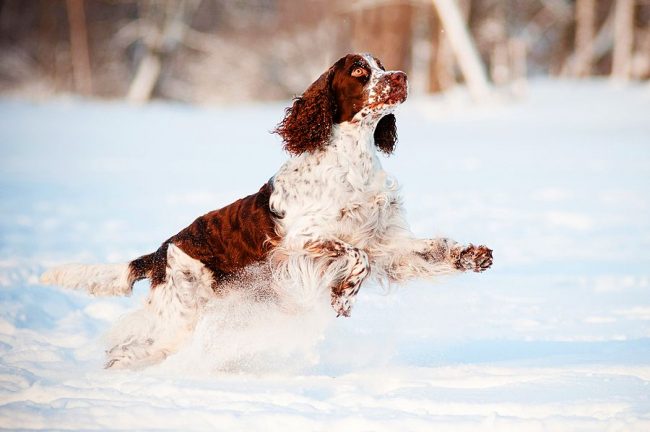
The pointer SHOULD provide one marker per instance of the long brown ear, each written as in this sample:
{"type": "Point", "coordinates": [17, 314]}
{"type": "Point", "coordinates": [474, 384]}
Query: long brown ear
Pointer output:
{"type": "Point", "coordinates": [307, 124]}
{"type": "Point", "coordinates": [386, 134]}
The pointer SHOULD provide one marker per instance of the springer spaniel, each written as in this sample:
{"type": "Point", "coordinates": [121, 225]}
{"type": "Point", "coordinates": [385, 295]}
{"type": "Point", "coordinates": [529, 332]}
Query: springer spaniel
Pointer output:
{"type": "Point", "coordinates": [329, 219]}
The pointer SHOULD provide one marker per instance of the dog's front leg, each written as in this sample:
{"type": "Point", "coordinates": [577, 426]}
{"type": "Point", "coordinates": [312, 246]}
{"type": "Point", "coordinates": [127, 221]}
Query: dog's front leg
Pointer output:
{"type": "Point", "coordinates": [416, 258]}
{"type": "Point", "coordinates": [461, 258]}
{"type": "Point", "coordinates": [350, 266]}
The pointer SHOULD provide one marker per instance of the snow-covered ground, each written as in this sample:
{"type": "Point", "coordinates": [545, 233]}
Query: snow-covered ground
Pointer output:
{"type": "Point", "coordinates": [555, 337]}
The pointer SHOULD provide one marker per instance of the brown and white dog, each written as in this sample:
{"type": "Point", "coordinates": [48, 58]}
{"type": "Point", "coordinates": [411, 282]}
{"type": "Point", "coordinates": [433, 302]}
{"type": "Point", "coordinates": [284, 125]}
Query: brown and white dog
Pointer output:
{"type": "Point", "coordinates": [328, 220]}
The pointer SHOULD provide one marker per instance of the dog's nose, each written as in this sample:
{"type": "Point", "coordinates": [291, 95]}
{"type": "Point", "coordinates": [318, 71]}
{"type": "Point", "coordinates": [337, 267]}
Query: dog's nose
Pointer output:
{"type": "Point", "coordinates": [399, 77]}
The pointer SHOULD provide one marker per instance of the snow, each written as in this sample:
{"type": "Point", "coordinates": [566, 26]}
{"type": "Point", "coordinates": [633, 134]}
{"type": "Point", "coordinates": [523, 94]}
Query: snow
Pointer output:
{"type": "Point", "coordinates": [555, 337]}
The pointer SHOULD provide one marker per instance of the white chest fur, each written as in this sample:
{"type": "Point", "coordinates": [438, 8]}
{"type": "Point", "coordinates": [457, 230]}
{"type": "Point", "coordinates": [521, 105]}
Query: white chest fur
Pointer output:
{"type": "Point", "coordinates": [340, 192]}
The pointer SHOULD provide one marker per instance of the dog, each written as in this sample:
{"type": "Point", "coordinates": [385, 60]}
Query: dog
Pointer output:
{"type": "Point", "coordinates": [330, 219]}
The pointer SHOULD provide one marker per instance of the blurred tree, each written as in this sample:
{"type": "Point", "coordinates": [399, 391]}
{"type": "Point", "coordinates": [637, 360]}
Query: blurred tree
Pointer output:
{"type": "Point", "coordinates": [585, 12]}
{"type": "Point", "coordinates": [623, 39]}
{"type": "Point", "coordinates": [81, 71]}
{"type": "Point", "coordinates": [463, 47]}
{"type": "Point", "coordinates": [441, 60]}
{"type": "Point", "coordinates": [385, 29]}
{"type": "Point", "coordinates": [162, 27]}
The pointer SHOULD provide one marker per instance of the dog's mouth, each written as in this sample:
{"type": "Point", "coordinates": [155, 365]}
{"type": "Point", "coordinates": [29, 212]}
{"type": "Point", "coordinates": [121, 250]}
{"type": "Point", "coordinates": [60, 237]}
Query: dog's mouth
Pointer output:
{"type": "Point", "coordinates": [398, 95]}
{"type": "Point", "coordinates": [390, 103]}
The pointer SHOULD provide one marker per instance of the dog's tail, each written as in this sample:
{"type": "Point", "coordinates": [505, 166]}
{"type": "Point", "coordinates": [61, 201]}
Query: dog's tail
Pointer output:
{"type": "Point", "coordinates": [101, 279]}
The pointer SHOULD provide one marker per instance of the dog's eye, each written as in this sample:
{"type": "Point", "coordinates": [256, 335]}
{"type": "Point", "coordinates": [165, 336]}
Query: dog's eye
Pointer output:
{"type": "Point", "coordinates": [359, 72]}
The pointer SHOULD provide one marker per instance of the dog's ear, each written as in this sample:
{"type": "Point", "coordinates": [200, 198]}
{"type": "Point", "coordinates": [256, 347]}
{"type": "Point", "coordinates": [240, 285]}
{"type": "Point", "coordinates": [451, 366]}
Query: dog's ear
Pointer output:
{"type": "Point", "coordinates": [307, 124]}
{"type": "Point", "coordinates": [386, 134]}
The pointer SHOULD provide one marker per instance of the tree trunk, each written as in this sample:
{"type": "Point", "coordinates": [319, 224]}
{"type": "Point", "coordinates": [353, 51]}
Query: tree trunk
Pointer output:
{"type": "Point", "coordinates": [463, 48]}
{"type": "Point", "coordinates": [441, 61]}
{"type": "Point", "coordinates": [623, 39]}
{"type": "Point", "coordinates": [79, 47]}
{"type": "Point", "coordinates": [385, 30]}
{"type": "Point", "coordinates": [145, 79]}
{"type": "Point", "coordinates": [518, 52]}
{"type": "Point", "coordinates": [584, 40]}
{"type": "Point", "coordinates": [500, 63]}
{"type": "Point", "coordinates": [167, 32]}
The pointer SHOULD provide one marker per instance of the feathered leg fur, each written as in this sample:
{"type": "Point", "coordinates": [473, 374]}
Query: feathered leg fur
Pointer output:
{"type": "Point", "coordinates": [170, 314]}
{"type": "Point", "coordinates": [97, 279]}
{"type": "Point", "coordinates": [354, 267]}
{"type": "Point", "coordinates": [415, 258]}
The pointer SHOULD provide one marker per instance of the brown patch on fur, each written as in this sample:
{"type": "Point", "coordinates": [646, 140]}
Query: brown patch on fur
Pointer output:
{"type": "Point", "coordinates": [325, 248]}
{"type": "Point", "coordinates": [224, 240]}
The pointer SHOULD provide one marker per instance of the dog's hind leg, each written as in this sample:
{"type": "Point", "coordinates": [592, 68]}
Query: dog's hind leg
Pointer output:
{"type": "Point", "coordinates": [169, 317]}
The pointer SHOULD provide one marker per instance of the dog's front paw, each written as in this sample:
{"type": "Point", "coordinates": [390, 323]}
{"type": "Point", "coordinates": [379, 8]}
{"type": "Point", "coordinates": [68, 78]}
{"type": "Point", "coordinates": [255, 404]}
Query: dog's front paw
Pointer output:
{"type": "Point", "coordinates": [343, 301]}
{"type": "Point", "coordinates": [475, 258]}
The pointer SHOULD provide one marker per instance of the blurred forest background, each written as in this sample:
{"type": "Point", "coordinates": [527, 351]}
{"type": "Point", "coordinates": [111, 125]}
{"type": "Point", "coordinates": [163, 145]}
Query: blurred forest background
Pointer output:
{"type": "Point", "coordinates": [222, 51]}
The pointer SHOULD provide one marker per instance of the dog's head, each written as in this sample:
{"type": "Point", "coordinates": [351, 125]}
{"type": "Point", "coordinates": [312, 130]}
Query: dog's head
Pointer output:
{"type": "Point", "coordinates": [355, 89]}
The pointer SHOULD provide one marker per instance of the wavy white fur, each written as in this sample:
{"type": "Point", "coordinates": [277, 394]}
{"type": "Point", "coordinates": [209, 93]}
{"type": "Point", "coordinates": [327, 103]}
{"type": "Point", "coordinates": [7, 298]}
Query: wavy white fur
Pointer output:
{"type": "Point", "coordinates": [170, 314]}
{"type": "Point", "coordinates": [343, 194]}
{"type": "Point", "coordinates": [97, 279]}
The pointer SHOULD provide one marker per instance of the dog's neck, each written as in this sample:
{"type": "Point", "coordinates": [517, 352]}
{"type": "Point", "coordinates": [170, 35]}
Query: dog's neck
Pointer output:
{"type": "Point", "coordinates": [354, 147]}
{"type": "Point", "coordinates": [354, 138]}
